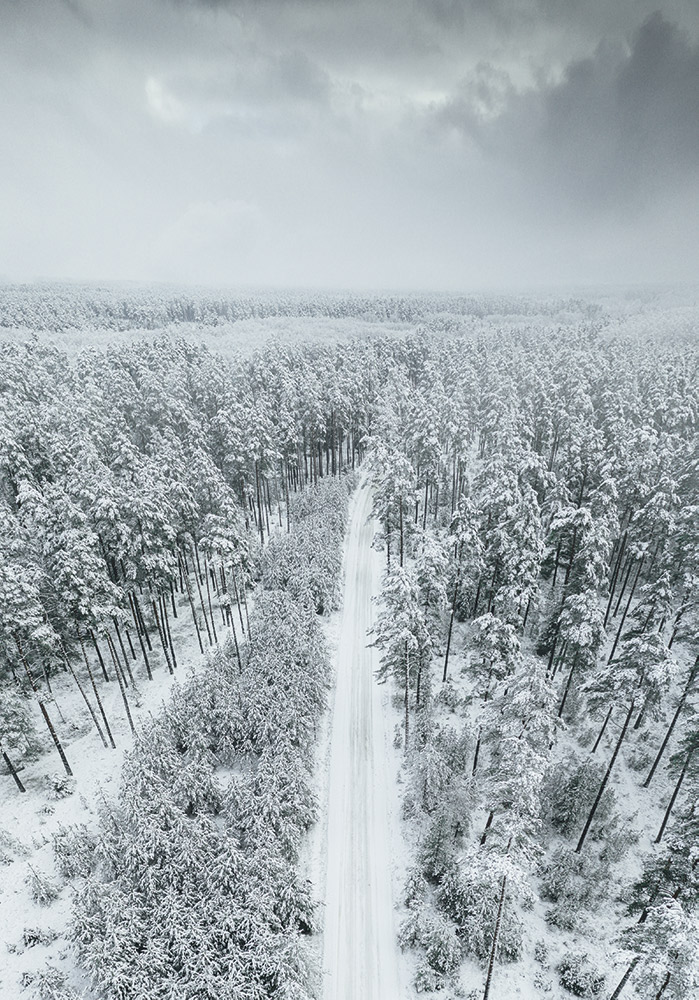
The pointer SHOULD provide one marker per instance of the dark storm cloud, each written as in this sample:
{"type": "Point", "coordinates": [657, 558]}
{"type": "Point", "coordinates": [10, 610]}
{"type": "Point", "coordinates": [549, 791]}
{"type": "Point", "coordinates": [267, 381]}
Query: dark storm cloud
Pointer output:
{"type": "Point", "coordinates": [619, 129]}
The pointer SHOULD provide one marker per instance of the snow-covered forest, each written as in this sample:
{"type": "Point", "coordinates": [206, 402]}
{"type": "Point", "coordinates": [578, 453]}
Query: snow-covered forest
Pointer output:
{"type": "Point", "coordinates": [171, 583]}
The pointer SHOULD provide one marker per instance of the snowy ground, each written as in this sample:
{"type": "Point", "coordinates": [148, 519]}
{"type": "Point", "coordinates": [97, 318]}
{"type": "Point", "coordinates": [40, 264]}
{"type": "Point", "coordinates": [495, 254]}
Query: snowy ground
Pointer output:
{"type": "Point", "coordinates": [361, 959]}
{"type": "Point", "coordinates": [32, 819]}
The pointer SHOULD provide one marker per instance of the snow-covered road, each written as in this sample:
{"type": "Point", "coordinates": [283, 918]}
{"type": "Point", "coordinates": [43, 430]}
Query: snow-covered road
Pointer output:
{"type": "Point", "coordinates": [360, 955]}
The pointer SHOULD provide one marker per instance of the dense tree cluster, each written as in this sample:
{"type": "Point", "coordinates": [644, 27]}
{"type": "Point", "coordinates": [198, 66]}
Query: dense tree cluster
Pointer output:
{"type": "Point", "coordinates": [57, 307]}
{"type": "Point", "coordinates": [537, 502]}
{"type": "Point", "coordinates": [552, 487]}
{"type": "Point", "coordinates": [135, 478]}
{"type": "Point", "coordinates": [191, 887]}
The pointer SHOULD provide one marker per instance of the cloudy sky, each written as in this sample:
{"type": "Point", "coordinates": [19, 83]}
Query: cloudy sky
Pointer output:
{"type": "Point", "coordinates": [408, 144]}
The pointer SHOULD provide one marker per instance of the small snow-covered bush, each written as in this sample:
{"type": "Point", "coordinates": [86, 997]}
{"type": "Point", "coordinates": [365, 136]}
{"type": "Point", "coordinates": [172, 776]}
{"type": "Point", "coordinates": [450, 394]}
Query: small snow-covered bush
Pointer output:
{"type": "Point", "coordinates": [436, 935]}
{"type": "Point", "coordinates": [437, 850]}
{"type": "Point", "coordinates": [74, 850]}
{"type": "Point", "coordinates": [427, 980]}
{"type": "Point", "coordinates": [469, 895]}
{"type": "Point", "coordinates": [569, 789]}
{"type": "Point", "coordinates": [448, 696]}
{"type": "Point", "coordinates": [415, 888]}
{"type": "Point", "coordinates": [574, 883]}
{"type": "Point", "coordinates": [20, 740]}
{"type": "Point", "coordinates": [43, 889]}
{"type": "Point", "coordinates": [578, 975]}
{"type": "Point", "coordinates": [60, 785]}
{"type": "Point", "coordinates": [10, 847]}
{"type": "Point", "coordinates": [50, 984]}
{"type": "Point", "coordinates": [32, 936]}
{"type": "Point", "coordinates": [541, 954]}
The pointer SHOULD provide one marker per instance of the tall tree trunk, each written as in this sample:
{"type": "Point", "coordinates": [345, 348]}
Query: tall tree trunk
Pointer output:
{"type": "Point", "coordinates": [625, 978]}
{"type": "Point", "coordinates": [99, 655]}
{"type": "Point", "coordinates": [203, 609]}
{"type": "Point", "coordinates": [166, 630]}
{"type": "Point", "coordinates": [194, 613]}
{"type": "Point", "coordinates": [259, 504]}
{"type": "Point", "coordinates": [208, 598]}
{"type": "Point", "coordinates": [451, 623]}
{"type": "Point", "coordinates": [120, 681]}
{"type": "Point", "coordinates": [675, 793]}
{"type": "Point", "coordinates": [163, 638]}
{"type": "Point", "coordinates": [602, 787]}
{"type": "Point", "coordinates": [626, 610]}
{"type": "Point", "coordinates": [556, 565]}
{"type": "Point", "coordinates": [42, 706]}
{"type": "Point", "coordinates": [625, 579]}
{"type": "Point", "coordinates": [237, 597]}
{"type": "Point", "coordinates": [488, 824]}
{"type": "Point", "coordinates": [615, 577]}
{"type": "Point", "coordinates": [662, 989]}
{"type": "Point", "coordinates": [96, 692]}
{"type": "Point", "coordinates": [477, 751]}
{"type": "Point", "coordinates": [144, 629]}
{"type": "Point", "coordinates": [82, 692]}
{"type": "Point", "coordinates": [121, 641]}
{"type": "Point", "coordinates": [128, 639]}
{"type": "Point", "coordinates": [407, 696]}
{"type": "Point", "coordinates": [12, 769]}
{"type": "Point", "coordinates": [496, 935]}
{"type": "Point", "coordinates": [604, 726]}
{"type": "Point", "coordinates": [128, 665]}
{"type": "Point", "coordinates": [567, 687]}
{"type": "Point", "coordinates": [668, 734]}
{"type": "Point", "coordinates": [143, 650]}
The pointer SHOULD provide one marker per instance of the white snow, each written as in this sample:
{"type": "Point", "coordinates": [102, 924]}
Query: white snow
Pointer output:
{"type": "Point", "coordinates": [361, 958]}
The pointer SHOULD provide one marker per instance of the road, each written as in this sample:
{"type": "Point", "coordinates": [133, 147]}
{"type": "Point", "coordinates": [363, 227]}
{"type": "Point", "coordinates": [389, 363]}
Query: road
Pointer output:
{"type": "Point", "coordinates": [360, 955]}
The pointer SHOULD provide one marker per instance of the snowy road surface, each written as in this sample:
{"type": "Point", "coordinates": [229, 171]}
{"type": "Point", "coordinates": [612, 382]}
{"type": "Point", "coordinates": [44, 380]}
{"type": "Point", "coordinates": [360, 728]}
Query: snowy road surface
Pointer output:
{"type": "Point", "coordinates": [360, 954]}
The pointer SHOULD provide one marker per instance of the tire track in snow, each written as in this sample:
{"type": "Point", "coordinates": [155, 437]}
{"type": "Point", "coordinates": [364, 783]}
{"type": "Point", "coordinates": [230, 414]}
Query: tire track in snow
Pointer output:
{"type": "Point", "coordinates": [360, 954]}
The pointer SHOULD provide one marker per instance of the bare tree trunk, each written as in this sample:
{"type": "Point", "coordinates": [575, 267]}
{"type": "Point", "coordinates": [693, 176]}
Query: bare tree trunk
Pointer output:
{"type": "Point", "coordinates": [237, 598]}
{"type": "Point", "coordinates": [604, 726]}
{"type": "Point", "coordinates": [626, 610]}
{"type": "Point", "coordinates": [567, 687]}
{"type": "Point", "coordinates": [166, 630]}
{"type": "Point", "coordinates": [12, 769]}
{"type": "Point", "coordinates": [99, 655]}
{"type": "Point", "coordinates": [96, 692]}
{"type": "Point", "coordinates": [496, 935]}
{"type": "Point", "coordinates": [625, 978]}
{"type": "Point", "coordinates": [668, 734]}
{"type": "Point", "coordinates": [82, 692]}
{"type": "Point", "coordinates": [163, 639]}
{"type": "Point", "coordinates": [407, 696]}
{"type": "Point", "coordinates": [120, 681]}
{"type": "Point", "coordinates": [42, 706]}
{"type": "Point", "coordinates": [208, 598]}
{"type": "Point", "coordinates": [455, 598]}
{"type": "Point", "coordinates": [602, 787]}
{"type": "Point", "coordinates": [194, 613]}
{"type": "Point", "coordinates": [488, 824]}
{"type": "Point", "coordinates": [259, 504]}
{"type": "Point", "coordinates": [142, 620]}
{"type": "Point", "coordinates": [662, 989]}
{"type": "Point", "coordinates": [675, 793]}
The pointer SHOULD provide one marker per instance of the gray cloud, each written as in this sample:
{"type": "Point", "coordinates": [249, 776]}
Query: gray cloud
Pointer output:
{"type": "Point", "coordinates": [431, 143]}
{"type": "Point", "coordinates": [618, 130]}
